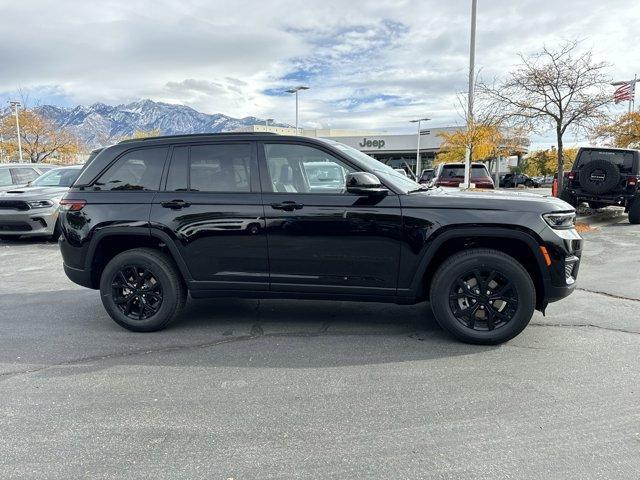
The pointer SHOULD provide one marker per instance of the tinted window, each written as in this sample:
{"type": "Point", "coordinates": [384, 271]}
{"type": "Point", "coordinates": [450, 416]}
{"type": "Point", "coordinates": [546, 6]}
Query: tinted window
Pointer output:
{"type": "Point", "coordinates": [220, 168]}
{"type": "Point", "coordinates": [5, 177]}
{"type": "Point", "coordinates": [136, 170]}
{"type": "Point", "coordinates": [24, 175]}
{"type": "Point", "coordinates": [177, 178]}
{"type": "Point", "coordinates": [454, 171]}
{"type": "Point", "coordinates": [58, 177]}
{"type": "Point", "coordinates": [624, 160]}
{"type": "Point", "coordinates": [302, 169]}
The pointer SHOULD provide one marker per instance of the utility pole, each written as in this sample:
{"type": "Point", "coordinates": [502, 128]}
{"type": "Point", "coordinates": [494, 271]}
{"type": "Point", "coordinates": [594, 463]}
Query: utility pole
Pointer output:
{"type": "Point", "coordinates": [15, 106]}
{"type": "Point", "coordinates": [418, 169]}
{"type": "Point", "coordinates": [472, 59]}
{"type": "Point", "coordinates": [296, 90]}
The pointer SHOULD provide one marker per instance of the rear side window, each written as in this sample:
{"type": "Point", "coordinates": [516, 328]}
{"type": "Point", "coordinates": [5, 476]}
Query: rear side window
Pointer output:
{"type": "Point", "coordinates": [624, 160]}
{"type": "Point", "coordinates": [136, 170]}
{"type": "Point", "coordinates": [5, 177]}
{"type": "Point", "coordinates": [220, 168]}
{"type": "Point", "coordinates": [24, 175]}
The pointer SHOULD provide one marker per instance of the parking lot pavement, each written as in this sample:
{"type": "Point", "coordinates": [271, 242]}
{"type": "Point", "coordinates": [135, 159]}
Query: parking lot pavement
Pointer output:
{"type": "Point", "coordinates": [283, 389]}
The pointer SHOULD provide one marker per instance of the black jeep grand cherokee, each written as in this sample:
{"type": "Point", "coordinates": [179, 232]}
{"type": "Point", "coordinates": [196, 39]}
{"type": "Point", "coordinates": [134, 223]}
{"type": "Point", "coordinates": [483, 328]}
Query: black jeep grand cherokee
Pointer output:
{"type": "Point", "coordinates": [246, 215]}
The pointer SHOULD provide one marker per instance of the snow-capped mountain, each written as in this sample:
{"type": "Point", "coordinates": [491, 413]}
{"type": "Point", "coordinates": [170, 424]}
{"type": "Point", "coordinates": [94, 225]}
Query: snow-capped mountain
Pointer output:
{"type": "Point", "coordinates": [101, 124]}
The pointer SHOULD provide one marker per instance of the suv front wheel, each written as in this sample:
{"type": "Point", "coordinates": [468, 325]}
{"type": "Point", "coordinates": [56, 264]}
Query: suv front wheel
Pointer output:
{"type": "Point", "coordinates": [482, 296]}
{"type": "Point", "coordinates": [141, 289]}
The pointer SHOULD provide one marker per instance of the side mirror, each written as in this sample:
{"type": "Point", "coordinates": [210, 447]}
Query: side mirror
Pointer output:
{"type": "Point", "coordinates": [365, 183]}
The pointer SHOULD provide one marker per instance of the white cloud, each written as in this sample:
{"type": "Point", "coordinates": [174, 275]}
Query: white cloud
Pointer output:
{"type": "Point", "coordinates": [370, 64]}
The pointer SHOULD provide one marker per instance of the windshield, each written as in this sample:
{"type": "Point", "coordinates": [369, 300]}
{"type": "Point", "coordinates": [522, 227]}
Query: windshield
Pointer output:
{"type": "Point", "coordinates": [384, 172]}
{"type": "Point", "coordinates": [58, 177]}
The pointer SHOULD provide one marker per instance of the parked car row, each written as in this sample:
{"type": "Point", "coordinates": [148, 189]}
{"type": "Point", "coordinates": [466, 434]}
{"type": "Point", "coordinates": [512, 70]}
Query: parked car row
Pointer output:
{"type": "Point", "coordinates": [32, 209]}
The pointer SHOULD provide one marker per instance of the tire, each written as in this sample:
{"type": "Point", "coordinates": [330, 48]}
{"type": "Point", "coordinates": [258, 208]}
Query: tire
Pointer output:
{"type": "Point", "coordinates": [445, 287]}
{"type": "Point", "coordinates": [508, 185]}
{"type": "Point", "coordinates": [57, 230]}
{"type": "Point", "coordinates": [599, 176]}
{"type": "Point", "coordinates": [567, 197]}
{"type": "Point", "coordinates": [165, 282]}
{"type": "Point", "coordinates": [634, 211]}
{"type": "Point", "coordinates": [528, 184]}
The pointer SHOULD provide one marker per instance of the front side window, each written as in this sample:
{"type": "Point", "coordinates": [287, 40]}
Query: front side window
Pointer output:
{"type": "Point", "coordinates": [136, 170]}
{"type": "Point", "coordinates": [220, 168]}
{"type": "Point", "coordinates": [24, 175]}
{"type": "Point", "coordinates": [303, 169]}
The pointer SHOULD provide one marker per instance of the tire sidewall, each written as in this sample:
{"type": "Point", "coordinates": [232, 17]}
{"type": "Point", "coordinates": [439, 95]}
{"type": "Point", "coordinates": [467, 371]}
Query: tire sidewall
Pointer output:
{"type": "Point", "coordinates": [169, 297]}
{"type": "Point", "coordinates": [524, 287]}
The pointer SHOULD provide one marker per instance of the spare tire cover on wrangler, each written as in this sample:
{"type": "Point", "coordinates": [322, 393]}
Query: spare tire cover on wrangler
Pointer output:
{"type": "Point", "coordinates": [599, 176]}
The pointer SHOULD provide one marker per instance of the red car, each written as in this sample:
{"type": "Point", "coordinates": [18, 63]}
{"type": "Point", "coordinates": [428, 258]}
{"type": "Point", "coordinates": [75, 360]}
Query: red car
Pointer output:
{"type": "Point", "coordinates": [452, 175]}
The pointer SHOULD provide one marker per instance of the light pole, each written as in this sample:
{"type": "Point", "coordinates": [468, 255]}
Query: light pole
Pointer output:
{"type": "Point", "coordinates": [418, 170]}
{"type": "Point", "coordinates": [472, 59]}
{"type": "Point", "coordinates": [15, 106]}
{"type": "Point", "coordinates": [296, 90]}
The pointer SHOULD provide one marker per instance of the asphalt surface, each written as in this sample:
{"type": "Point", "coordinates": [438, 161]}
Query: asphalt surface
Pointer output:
{"type": "Point", "coordinates": [249, 389]}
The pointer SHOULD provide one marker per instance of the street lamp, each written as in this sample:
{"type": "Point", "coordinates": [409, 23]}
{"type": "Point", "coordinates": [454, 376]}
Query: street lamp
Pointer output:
{"type": "Point", "coordinates": [15, 106]}
{"type": "Point", "coordinates": [418, 121]}
{"type": "Point", "coordinates": [472, 60]}
{"type": "Point", "coordinates": [296, 90]}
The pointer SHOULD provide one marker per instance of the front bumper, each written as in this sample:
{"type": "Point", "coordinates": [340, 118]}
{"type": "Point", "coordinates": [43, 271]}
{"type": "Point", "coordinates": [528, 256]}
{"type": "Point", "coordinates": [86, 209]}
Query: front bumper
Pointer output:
{"type": "Point", "coordinates": [37, 222]}
{"type": "Point", "coordinates": [565, 251]}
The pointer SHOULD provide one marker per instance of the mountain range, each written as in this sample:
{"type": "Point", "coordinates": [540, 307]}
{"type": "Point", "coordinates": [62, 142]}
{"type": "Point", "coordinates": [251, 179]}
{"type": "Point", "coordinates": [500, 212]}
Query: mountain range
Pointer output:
{"type": "Point", "coordinates": [100, 124]}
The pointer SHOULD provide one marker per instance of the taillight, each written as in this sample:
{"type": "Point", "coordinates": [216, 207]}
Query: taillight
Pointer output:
{"type": "Point", "coordinates": [572, 175]}
{"type": "Point", "coordinates": [632, 181]}
{"type": "Point", "coordinates": [69, 205]}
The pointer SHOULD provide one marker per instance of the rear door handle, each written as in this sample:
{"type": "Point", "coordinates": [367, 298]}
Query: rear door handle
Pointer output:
{"type": "Point", "coordinates": [175, 204]}
{"type": "Point", "coordinates": [287, 206]}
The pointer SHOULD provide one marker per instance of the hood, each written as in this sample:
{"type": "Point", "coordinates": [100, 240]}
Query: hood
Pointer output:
{"type": "Point", "coordinates": [33, 193]}
{"type": "Point", "coordinates": [486, 200]}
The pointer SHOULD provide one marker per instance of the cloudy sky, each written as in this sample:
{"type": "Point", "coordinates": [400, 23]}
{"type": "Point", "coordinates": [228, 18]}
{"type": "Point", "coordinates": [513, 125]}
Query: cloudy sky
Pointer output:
{"type": "Point", "coordinates": [370, 64]}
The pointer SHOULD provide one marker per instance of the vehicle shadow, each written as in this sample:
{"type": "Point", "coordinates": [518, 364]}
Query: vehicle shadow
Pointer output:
{"type": "Point", "coordinates": [73, 333]}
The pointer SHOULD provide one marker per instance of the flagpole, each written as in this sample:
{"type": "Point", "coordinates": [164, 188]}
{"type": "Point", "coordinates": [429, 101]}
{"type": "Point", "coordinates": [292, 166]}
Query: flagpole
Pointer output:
{"type": "Point", "coordinates": [632, 101]}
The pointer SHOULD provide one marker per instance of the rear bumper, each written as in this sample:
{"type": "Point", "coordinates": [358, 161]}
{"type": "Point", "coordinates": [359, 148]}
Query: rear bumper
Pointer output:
{"type": "Point", "coordinates": [80, 276]}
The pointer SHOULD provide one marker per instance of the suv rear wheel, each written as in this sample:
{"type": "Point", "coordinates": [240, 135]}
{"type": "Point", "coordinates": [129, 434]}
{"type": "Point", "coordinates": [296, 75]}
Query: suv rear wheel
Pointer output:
{"type": "Point", "coordinates": [141, 289]}
{"type": "Point", "coordinates": [482, 296]}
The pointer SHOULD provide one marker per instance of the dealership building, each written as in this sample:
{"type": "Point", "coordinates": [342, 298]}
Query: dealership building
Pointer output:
{"type": "Point", "coordinates": [395, 150]}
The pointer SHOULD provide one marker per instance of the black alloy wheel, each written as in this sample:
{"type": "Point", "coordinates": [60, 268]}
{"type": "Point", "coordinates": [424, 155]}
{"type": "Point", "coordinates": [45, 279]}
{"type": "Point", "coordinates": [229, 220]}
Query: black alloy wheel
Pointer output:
{"type": "Point", "coordinates": [483, 299]}
{"type": "Point", "coordinates": [142, 289]}
{"type": "Point", "coordinates": [136, 292]}
{"type": "Point", "coordinates": [482, 296]}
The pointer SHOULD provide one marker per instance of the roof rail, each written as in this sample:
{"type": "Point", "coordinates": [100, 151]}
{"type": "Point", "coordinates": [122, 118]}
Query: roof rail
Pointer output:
{"type": "Point", "coordinates": [192, 135]}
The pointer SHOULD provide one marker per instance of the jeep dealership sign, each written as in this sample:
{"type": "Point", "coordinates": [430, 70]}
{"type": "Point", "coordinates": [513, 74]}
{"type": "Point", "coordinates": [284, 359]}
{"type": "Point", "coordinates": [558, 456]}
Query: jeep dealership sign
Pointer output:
{"type": "Point", "coordinates": [367, 143]}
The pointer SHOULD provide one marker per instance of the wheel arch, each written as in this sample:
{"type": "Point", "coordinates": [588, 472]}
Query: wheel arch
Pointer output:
{"type": "Point", "coordinates": [111, 241]}
{"type": "Point", "coordinates": [521, 244]}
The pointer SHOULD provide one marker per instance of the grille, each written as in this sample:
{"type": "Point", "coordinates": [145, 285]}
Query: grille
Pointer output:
{"type": "Point", "coordinates": [13, 205]}
{"type": "Point", "coordinates": [15, 227]}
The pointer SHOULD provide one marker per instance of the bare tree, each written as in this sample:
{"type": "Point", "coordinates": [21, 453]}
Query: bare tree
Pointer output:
{"type": "Point", "coordinates": [564, 89]}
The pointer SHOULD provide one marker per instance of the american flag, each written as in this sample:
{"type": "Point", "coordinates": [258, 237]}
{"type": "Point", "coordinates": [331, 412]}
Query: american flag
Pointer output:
{"type": "Point", "coordinates": [624, 92]}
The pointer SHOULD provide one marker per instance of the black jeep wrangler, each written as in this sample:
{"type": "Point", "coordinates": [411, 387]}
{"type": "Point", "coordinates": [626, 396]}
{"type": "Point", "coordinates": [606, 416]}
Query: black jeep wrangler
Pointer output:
{"type": "Point", "coordinates": [603, 177]}
{"type": "Point", "coordinates": [267, 216]}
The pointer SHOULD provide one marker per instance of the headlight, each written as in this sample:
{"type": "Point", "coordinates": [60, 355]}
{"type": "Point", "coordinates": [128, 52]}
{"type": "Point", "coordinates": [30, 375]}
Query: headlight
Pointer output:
{"type": "Point", "coordinates": [561, 221]}
{"type": "Point", "coordinates": [40, 203]}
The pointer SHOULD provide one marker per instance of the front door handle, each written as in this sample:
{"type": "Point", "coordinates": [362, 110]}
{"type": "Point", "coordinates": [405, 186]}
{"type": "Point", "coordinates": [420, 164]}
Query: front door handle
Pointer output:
{"type": "Point", "coordinates": [175, 204]}
{"type": "Point", "coordinates": [287, 206]}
